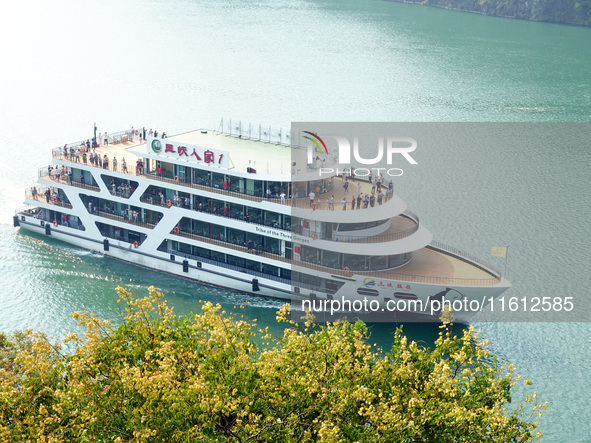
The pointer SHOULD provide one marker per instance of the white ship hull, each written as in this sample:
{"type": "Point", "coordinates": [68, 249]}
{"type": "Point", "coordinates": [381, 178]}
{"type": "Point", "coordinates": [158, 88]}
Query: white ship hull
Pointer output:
{"type": "Point", "coordinates": [397, 300]}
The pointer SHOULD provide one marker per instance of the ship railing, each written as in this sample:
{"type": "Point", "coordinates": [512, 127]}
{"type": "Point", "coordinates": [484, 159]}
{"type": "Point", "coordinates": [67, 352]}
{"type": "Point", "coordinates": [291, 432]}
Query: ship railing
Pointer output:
{"type": "Point", "coordinates": [35, 211]}
{"type": "Point", "coordinates": [114, 137]}
{"type": "Point", "coordinates": [393, 275]}
{"type": "Point", "coordinates": [296, 202]}
{"type": "Point", "coordinates": [156, 201]}
{"type": "Point", "coordinates": [339, 237]}
{"type": "Point", "coordinates": [29, 210]}
{"type": "Point", "coordinates": [467, 256]}
{"type": "Point", "coordinates": [230, 266]}
{"type": "Point", "coordinates": [132, 218]}
{"type": "Point", "coordinates": [39, 193]}
{"type": "Point", "coordinates": [383, 274]}
{"type": "Point", "coordinates": [222, 240]}
{"type": "Point", "coordinates": [65, 179]}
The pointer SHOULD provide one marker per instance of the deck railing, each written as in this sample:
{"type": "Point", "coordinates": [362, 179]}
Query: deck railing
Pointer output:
{"type": "Point", "coordinates": [384, 274]}
{"type": "Point", "coordinates": [300, 202]}
{"type": "Point", "coordinates": [467, 256]}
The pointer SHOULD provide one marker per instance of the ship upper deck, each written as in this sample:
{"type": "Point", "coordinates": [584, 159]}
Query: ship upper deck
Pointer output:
{"type": "Point", "coordinates": [337, 198]}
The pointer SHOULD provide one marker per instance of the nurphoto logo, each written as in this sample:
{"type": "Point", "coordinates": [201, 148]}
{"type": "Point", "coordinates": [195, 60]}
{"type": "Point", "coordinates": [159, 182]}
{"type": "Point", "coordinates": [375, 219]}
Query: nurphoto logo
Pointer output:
{"type": "Point", "coordinates": [387, 147]}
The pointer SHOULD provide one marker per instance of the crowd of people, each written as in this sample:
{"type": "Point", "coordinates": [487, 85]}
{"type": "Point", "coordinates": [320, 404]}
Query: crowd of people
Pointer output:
{"type": "Point", "coordinates": [380, 193]}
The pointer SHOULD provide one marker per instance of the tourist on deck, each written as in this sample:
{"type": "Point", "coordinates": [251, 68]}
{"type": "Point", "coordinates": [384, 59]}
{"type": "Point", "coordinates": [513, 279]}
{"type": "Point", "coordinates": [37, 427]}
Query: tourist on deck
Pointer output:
{"type": "Point", "coordinates": [105, 139]}
{"type": "Point", "coordinates": [353, 203]}
{"type": "Point", "coordinates": [124, 165]}
{"type": "Point", "coordinates": [372, 200]}
{"type": "Point", "coordinates": [344, 202]}
{"type": "Point", "coordinates": [312, 197]}
{"type": "Point", "coordinates": [114, 163]}
{"type": "Point", "coordinates": [105, 162]}
{"type": "Point", "coordinates": [282, 196]}
{"type": "Point", "coordinates": [84, 157]}
{"type": "Point", "coordinates": [380, 197]}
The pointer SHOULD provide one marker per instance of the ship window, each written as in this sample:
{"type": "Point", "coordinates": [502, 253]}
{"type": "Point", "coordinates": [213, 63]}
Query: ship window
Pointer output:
{"type": "Point", "coordinates": [254, 215]}
{"type": "Point", "coordinates": [299, 189]}
{"type": "Point", "coordinates": [331, 259]}
{"type": "Point", "coordinates": [367, 291]}
{"type": "Point", "coordinates": [218, 232]}
{"type": "Point", "coordinates": [236, 211]}
{"type": "Point", "coordinates": [348, 227]}
{"type": "Point", "coordinates": [201, 177]}
{"type": "Point", "coordinates": [201, 252]}
{"type": "Point", "coordinates": [272, 219]}
{"type": "Point", "coordinates": [236, 236]}
{"type": "Point", "coordinates": [310, 255]}
{"type": "Point", "coordinates": [218, 256]}
{"type": "Point", "coordinates": [236, 184]}
{"type": "Point", "coordinates": [252, 265]}
{"type": "Point", "coordinates": [236, 261]}
{"type": "Point", "coordinates": [185, 248]}
{"type": "Point", "coordinates": [354, 262]}
{"type": "Point", "coordinates": [378, 262]}
{"type": "Point", "coordinates": [200, 228]}
{"type": "Point", "coordinates": [217, 180]}
{"type": "Point", "coordinates": [257, 240]}
{"type": "Point", "coordinates": [272, 245]}
{"type": "Point", "coordinates": [286, 273]}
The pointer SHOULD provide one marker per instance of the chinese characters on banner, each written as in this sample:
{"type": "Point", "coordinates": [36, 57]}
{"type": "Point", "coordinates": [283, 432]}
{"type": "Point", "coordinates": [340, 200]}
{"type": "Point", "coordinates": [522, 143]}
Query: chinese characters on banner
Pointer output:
{"type": "Point", "coordinates": [198, 154]}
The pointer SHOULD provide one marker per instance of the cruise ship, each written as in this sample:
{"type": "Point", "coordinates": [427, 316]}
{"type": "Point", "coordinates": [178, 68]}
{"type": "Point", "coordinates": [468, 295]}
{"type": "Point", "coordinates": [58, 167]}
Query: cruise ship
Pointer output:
{"type": "Point", "coordinates": [227, 210]}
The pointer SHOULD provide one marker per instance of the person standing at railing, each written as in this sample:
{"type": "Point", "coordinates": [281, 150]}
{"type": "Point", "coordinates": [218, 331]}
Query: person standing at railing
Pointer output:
{"type": "Point", "coordinates": [124, 165]}
{"type": "Point", "coordinates": [114, 163]}
{"type": "Point", "coordinates": [312, 197]}
{"type": "Point", "coordinates": [105, 139]}
{"type": "Point", "coordinates": [105, 162]}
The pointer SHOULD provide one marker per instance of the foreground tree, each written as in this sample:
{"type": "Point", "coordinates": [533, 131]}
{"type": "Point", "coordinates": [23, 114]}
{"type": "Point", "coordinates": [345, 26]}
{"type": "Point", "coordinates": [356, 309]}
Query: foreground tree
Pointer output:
{"type": "Point", "coordinates": [159, 377]}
